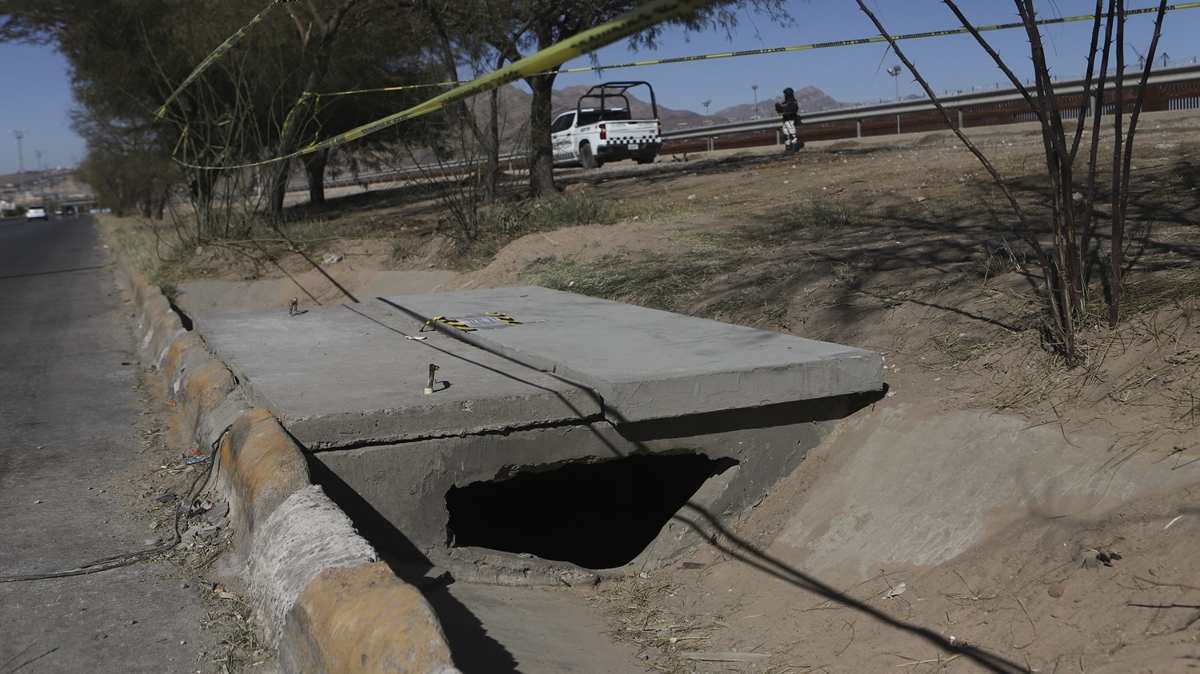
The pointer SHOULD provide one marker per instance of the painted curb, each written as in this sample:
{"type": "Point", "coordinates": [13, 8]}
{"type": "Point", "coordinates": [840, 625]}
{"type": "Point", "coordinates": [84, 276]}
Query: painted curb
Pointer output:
{"type": "Point", "coordinates": [321, 597]}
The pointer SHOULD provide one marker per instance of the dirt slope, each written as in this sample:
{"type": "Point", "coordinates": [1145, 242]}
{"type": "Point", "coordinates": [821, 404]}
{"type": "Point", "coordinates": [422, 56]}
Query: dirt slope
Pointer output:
{"type": "Point", "coordinates": [1045, 514]}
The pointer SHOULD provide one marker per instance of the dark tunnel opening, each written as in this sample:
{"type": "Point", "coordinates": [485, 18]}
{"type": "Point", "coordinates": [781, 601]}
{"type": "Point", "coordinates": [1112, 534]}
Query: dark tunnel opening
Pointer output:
{"type": "Point", "coordinates": [597, 516]}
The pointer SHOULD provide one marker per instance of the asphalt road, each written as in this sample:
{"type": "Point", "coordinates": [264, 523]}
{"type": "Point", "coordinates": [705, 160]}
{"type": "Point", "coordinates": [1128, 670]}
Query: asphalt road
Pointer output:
{"type": "Point", "coordinates": [70, 451]}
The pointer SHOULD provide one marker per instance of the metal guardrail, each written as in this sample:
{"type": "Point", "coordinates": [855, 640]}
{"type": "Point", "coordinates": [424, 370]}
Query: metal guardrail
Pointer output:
{"type": "Point", "coordinates": [959, 103]}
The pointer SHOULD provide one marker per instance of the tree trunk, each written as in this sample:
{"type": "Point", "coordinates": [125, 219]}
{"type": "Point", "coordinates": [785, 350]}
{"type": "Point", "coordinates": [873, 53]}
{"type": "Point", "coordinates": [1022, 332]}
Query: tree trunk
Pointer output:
{"type": "Point", "coordinates": [314, 168]}
{"type": "Point", "coordinates": [298, 117]}
{"type": "Point", "coordinates": [491, 159]}
{"type": "Point", "coordinates": [201, 189]}
{"type": "Point", "coordinates": [277, 180]}
{"type": "Point", "coordinates": [541, 151]}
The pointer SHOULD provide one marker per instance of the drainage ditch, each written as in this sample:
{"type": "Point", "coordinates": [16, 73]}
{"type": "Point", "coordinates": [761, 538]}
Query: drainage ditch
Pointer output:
{"type": "Point", "coordinates": [594, 515]}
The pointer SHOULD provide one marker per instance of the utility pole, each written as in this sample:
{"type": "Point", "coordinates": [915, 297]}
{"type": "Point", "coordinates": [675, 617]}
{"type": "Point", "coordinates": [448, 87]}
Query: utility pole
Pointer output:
{"type": "Point", "coordinates": [20, 162]}
{"type": "Point", "coordinates": [895, 71]}
{"type": "Point", "coordinates": [755, 88]}
{"type": "Point", "coordinates": [41, 179]}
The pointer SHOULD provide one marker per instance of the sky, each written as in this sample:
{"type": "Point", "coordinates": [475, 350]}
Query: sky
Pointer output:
{"type": "Point", "coordinates": [36, 94]}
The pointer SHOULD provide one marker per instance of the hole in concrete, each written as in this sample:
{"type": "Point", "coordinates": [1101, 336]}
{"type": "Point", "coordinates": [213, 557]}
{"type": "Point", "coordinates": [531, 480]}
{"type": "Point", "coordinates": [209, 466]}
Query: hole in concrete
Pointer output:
{"type": "Point", "coordinates": [597, 516]}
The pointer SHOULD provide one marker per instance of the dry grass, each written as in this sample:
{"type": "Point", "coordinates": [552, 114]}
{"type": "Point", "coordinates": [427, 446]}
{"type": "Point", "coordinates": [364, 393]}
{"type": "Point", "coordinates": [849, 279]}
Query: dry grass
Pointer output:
{"type": "Point", "coordinates": [635, 609]}
{"type": "Point", "coordinates": [663, 282]}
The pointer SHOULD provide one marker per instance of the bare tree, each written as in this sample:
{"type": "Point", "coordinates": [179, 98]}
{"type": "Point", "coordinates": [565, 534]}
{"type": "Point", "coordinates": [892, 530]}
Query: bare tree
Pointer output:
{"type": "Point", "coordinates": [1070, 251]}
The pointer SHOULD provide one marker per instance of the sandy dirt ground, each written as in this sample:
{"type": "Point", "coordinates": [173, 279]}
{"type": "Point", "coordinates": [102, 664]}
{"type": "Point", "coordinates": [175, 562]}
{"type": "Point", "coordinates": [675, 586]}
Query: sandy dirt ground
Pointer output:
{"type": "Point", "coordinates": [998, 509]}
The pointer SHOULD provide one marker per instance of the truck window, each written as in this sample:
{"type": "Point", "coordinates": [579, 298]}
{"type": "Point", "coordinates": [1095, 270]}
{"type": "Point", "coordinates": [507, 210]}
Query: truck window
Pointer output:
{"type": "Point", "coordinates": [607, 115]}
{"type": "Point", "coordinates": [563, 122]}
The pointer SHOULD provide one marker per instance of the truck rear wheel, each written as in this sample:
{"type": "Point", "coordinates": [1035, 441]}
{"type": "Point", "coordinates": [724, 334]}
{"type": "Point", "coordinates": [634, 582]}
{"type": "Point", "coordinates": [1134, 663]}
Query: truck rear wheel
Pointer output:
{"type": "Point", "coordinates": [586, 158]}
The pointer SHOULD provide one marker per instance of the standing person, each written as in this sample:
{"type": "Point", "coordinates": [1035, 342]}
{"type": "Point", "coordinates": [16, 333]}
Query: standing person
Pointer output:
{"type": "Point", "coordinates": [790, 110]}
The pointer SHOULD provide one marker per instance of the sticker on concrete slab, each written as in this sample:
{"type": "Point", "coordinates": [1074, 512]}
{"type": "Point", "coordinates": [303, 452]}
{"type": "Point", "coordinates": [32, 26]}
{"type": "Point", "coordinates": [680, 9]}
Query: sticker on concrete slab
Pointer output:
{"type": "Point", "coordinates": [489, 320]}
{"type": "Point", "coordinates": [473, 323]}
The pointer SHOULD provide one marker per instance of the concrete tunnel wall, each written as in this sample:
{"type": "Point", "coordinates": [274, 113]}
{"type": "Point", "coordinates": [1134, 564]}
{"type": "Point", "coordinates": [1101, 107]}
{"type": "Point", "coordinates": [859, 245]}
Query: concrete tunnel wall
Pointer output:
{"type": "Point", "coordinates": [407, 483]}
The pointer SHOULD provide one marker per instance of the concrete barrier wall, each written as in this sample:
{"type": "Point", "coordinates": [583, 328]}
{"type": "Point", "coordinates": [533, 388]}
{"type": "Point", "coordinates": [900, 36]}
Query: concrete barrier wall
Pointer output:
{"type": "Point", "coordinates": [321, 597]}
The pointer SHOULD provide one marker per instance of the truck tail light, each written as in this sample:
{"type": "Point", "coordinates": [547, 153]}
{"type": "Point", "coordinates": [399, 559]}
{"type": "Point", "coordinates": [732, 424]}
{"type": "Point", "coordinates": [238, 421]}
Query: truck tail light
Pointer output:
{"type": "Point", "coordinates": [603, 131]}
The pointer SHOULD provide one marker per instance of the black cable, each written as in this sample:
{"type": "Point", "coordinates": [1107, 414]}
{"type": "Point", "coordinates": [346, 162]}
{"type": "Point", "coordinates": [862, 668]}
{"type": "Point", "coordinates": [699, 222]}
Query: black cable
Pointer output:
{"type": "Point", "coordinates": [129, 558]}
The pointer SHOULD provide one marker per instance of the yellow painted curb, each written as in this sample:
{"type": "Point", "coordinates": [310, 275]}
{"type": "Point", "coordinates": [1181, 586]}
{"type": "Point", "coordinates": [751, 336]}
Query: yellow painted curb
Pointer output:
{"type": "Point", "coordinates": [259, 468]}
{"type": "Point", "coordinates": [178, 349]}
{"type": "Point", "coordinates": [164, 331]}
{"type": "Point", "coordinates": [362, 620]}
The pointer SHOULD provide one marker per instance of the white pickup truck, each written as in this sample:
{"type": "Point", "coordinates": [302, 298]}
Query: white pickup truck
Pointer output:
{"type": "Point", "coordinates": [601, 128]}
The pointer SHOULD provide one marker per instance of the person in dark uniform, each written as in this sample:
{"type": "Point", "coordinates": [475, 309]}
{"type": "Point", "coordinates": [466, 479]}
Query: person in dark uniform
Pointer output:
{"type": "Point", "coordinates": [790, 111]}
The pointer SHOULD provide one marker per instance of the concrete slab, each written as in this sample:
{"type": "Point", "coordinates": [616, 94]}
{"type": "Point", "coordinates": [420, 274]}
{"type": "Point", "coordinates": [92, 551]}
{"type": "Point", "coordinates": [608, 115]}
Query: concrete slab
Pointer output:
{"type": "Point", "coordinates": [524, 396]}
{"type": "Point", "coordinates": [344, 375]}
{"type": "Point", "coordinates": [644, 363]}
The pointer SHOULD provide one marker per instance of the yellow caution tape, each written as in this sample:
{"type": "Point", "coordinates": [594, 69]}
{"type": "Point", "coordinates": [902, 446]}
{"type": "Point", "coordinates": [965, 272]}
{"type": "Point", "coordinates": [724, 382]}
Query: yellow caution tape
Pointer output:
{"type": "Point", "coordinates": [630, 22]}
{"type": "Point", "coordinates": [468, 324]}
{"type": "Point", "coordinates": [868, 40]}
{"type": "Point", "coordinates": [779, 50]}
{"type": "Point", "coordinates": [221, 49]}
{"type": "Point", "coordinates": [385, 89]}
{"type": "Point", "coordinates": [452, 322]}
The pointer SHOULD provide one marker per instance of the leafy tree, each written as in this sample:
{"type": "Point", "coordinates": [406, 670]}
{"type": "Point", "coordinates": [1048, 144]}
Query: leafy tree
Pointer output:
{"type": "Point", "coordinates": [254, 102]}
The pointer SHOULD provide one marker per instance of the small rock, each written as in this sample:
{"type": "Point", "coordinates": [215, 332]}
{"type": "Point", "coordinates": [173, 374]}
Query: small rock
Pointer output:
{"type": "Point", "coordinates": [218, 511]}
{"type": "Point", "coordinates": [1056, 591]}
